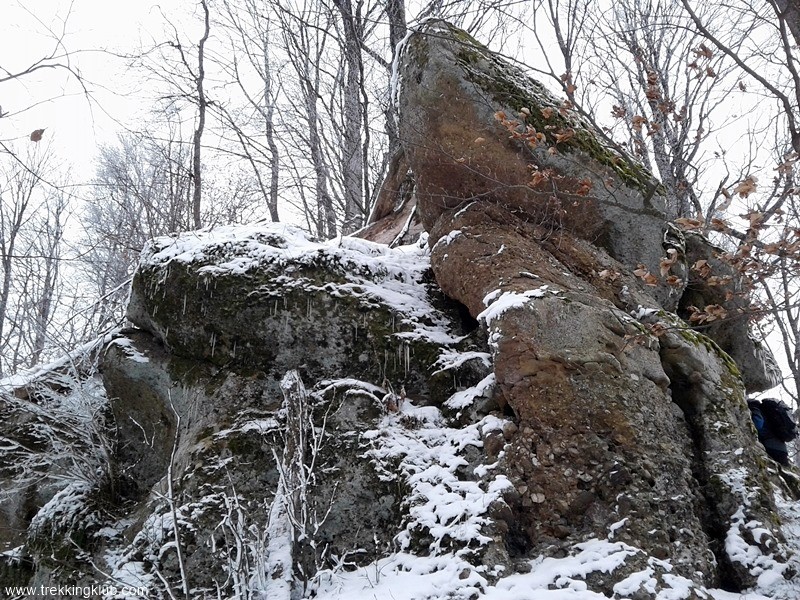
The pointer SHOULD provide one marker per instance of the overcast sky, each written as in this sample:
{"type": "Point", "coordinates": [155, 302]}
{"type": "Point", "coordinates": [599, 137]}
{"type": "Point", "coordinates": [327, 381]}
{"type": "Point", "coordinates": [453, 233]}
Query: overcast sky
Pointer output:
{"type": "Point", "coordinates": [52, 98]}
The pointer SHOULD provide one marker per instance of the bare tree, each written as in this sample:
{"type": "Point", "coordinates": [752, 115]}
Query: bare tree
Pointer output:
{"type": "Point", "coordinates": [352, 158]}
{"type": "Point", "coordinates": [758, 39]}
{"type": "Point", "coordinates": [306, 39]}
{"type": "Point", "coordinates": [48, 248]}
{"type": "Point", "coordinates": [142, 190]}
{"type": "Point", "coordinates": [58, 59]}
{"type": "Point", "coordinates": [202, 105]}
{"type": "Point", "coordinates": [181, 68]}
{"type": "Point", "coordinates": [33, 212]}
{"type": "Point", "coordinates": [254, 125]}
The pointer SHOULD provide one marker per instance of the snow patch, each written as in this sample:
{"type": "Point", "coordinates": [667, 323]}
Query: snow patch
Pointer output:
{"type": "Point", "coordinates": [129, 349]}
{"type": "Point", "coordinates": [453, 359]}
{"type": "Point", "coordinates": [416, 445]}
{"type": "Point", "coordinates": [466, 397]}
{"type": "Point", "coordinates": [498, 303]}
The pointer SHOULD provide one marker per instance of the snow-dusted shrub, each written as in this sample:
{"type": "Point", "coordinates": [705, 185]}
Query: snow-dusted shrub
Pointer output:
{"type": "Point", "coordinates": [57, 444]}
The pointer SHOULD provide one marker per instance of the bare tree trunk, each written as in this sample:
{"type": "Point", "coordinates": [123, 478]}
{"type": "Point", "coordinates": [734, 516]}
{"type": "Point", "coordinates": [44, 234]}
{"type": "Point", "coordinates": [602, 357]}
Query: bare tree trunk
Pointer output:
{"type": "Point", "coordinates": [253, 30]}
{"type": "Point", "coordinates": [396, 13]}
{"type": "Point", "coordinates": [21, 183]}
{"type": "Point", "coordinates": [202, 103]}
{"type": "Point", "coordinates": [44, 304]}
{"type": "Point", "coordinates": [7, 248]}
{"type": "Point", "coordinates": [353, 163]}
{"type": "Point", "coordinates": [5, 292]}
{"type": "Point", "coordinates": [305, 36]}
{"type": "Point", "coordinates": [269, 130]}
{"type": "Point", "coordinates": [789, 11]}
{"type": "Point", "coordinates": [326, 215]}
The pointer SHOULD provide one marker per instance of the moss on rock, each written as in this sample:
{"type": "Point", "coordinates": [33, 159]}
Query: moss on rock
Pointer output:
{"type": "Point", "coordinates": [509, 86]}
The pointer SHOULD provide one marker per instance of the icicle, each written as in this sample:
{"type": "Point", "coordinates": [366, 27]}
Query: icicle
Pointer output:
{"type": "Point", "coordinates": [213, 343]}
{"type": "Point", "coordinates": [184, 304]}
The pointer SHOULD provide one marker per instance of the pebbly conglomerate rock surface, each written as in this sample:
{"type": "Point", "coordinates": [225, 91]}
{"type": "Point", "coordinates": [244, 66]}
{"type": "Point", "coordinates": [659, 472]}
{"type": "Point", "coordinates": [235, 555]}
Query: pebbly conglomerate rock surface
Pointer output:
{"type": "Point", "coordinates": [631, 425]}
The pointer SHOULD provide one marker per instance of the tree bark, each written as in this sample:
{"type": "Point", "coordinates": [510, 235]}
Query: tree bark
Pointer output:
{"type": "Point", "coordinates": [269, 130]}
{"type": "Point", "coordinates": [790, 10]}
{"type": "Point", "coordinates": [202, 104]}
{"type": "Point", "coordinates": [352, 159]}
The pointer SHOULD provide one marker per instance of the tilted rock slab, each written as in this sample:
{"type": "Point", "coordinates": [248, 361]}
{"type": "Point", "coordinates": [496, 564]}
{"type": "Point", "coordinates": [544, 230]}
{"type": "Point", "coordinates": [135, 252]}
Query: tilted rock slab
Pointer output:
{"type": "Point", "coordinates": [459, 104]}
{"type": "Point", "coordinates": [631, 431]}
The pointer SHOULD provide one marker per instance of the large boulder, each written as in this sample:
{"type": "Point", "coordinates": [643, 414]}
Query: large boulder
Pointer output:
{"type": "Point", "coordinates": [475, 127]}
{"type": "Point", "coordinates": [202, 387]}
{"type": "Point", "coordinates": [631, 426]}
{"type": "Point", "coordinates": [626, 427]}
{"type": "Point", "coordinates": [272, 403]}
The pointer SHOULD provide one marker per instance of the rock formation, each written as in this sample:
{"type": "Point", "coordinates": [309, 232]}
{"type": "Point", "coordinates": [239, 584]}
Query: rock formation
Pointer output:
{"type": "Point", "coordinates": [548, 267]}
{"type": "Point", "coordinates": [514, 406]}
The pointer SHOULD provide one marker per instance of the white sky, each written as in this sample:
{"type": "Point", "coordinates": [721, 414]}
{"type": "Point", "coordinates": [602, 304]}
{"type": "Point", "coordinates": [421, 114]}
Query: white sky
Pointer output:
{"type": "Point", "coordinates": [52, 99]}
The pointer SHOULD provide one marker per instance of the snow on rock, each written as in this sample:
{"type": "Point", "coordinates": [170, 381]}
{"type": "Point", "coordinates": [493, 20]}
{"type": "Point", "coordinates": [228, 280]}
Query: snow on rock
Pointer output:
{"type": "Point", "coordinates": [451, 359]}
{"type": "Point", "coordinates": [443, 534]}
{"type": "Point", "coordinates": [129, 349]}
{"type": "Point", "coordinates": [498, 303]}
{"type": "Point", "coordinates": [429, 455]}
{"type": "Point", "coordinates": [60, 370]}
{"type": "Point", "coordinates": [466, 397]}
{"type": "Point", "coordinates": [374, 274]}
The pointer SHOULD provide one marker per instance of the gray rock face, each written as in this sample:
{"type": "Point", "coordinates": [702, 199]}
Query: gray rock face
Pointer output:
{"type": "Point", "coordinates": [358, 324]}
{"type": "Point", "coordinates": [221, 439]}
{"type": "Point", "coordinates": [458, 104]}
{"type": "Point", "coordinates": [209, 436]}
{"type": "Point", "coordinates": [713, 281]}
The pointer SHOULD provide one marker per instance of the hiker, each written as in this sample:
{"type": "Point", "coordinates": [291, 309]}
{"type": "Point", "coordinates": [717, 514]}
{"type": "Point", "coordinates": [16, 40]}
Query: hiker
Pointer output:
{"type": "Point", "coordinates": [775, 427]}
